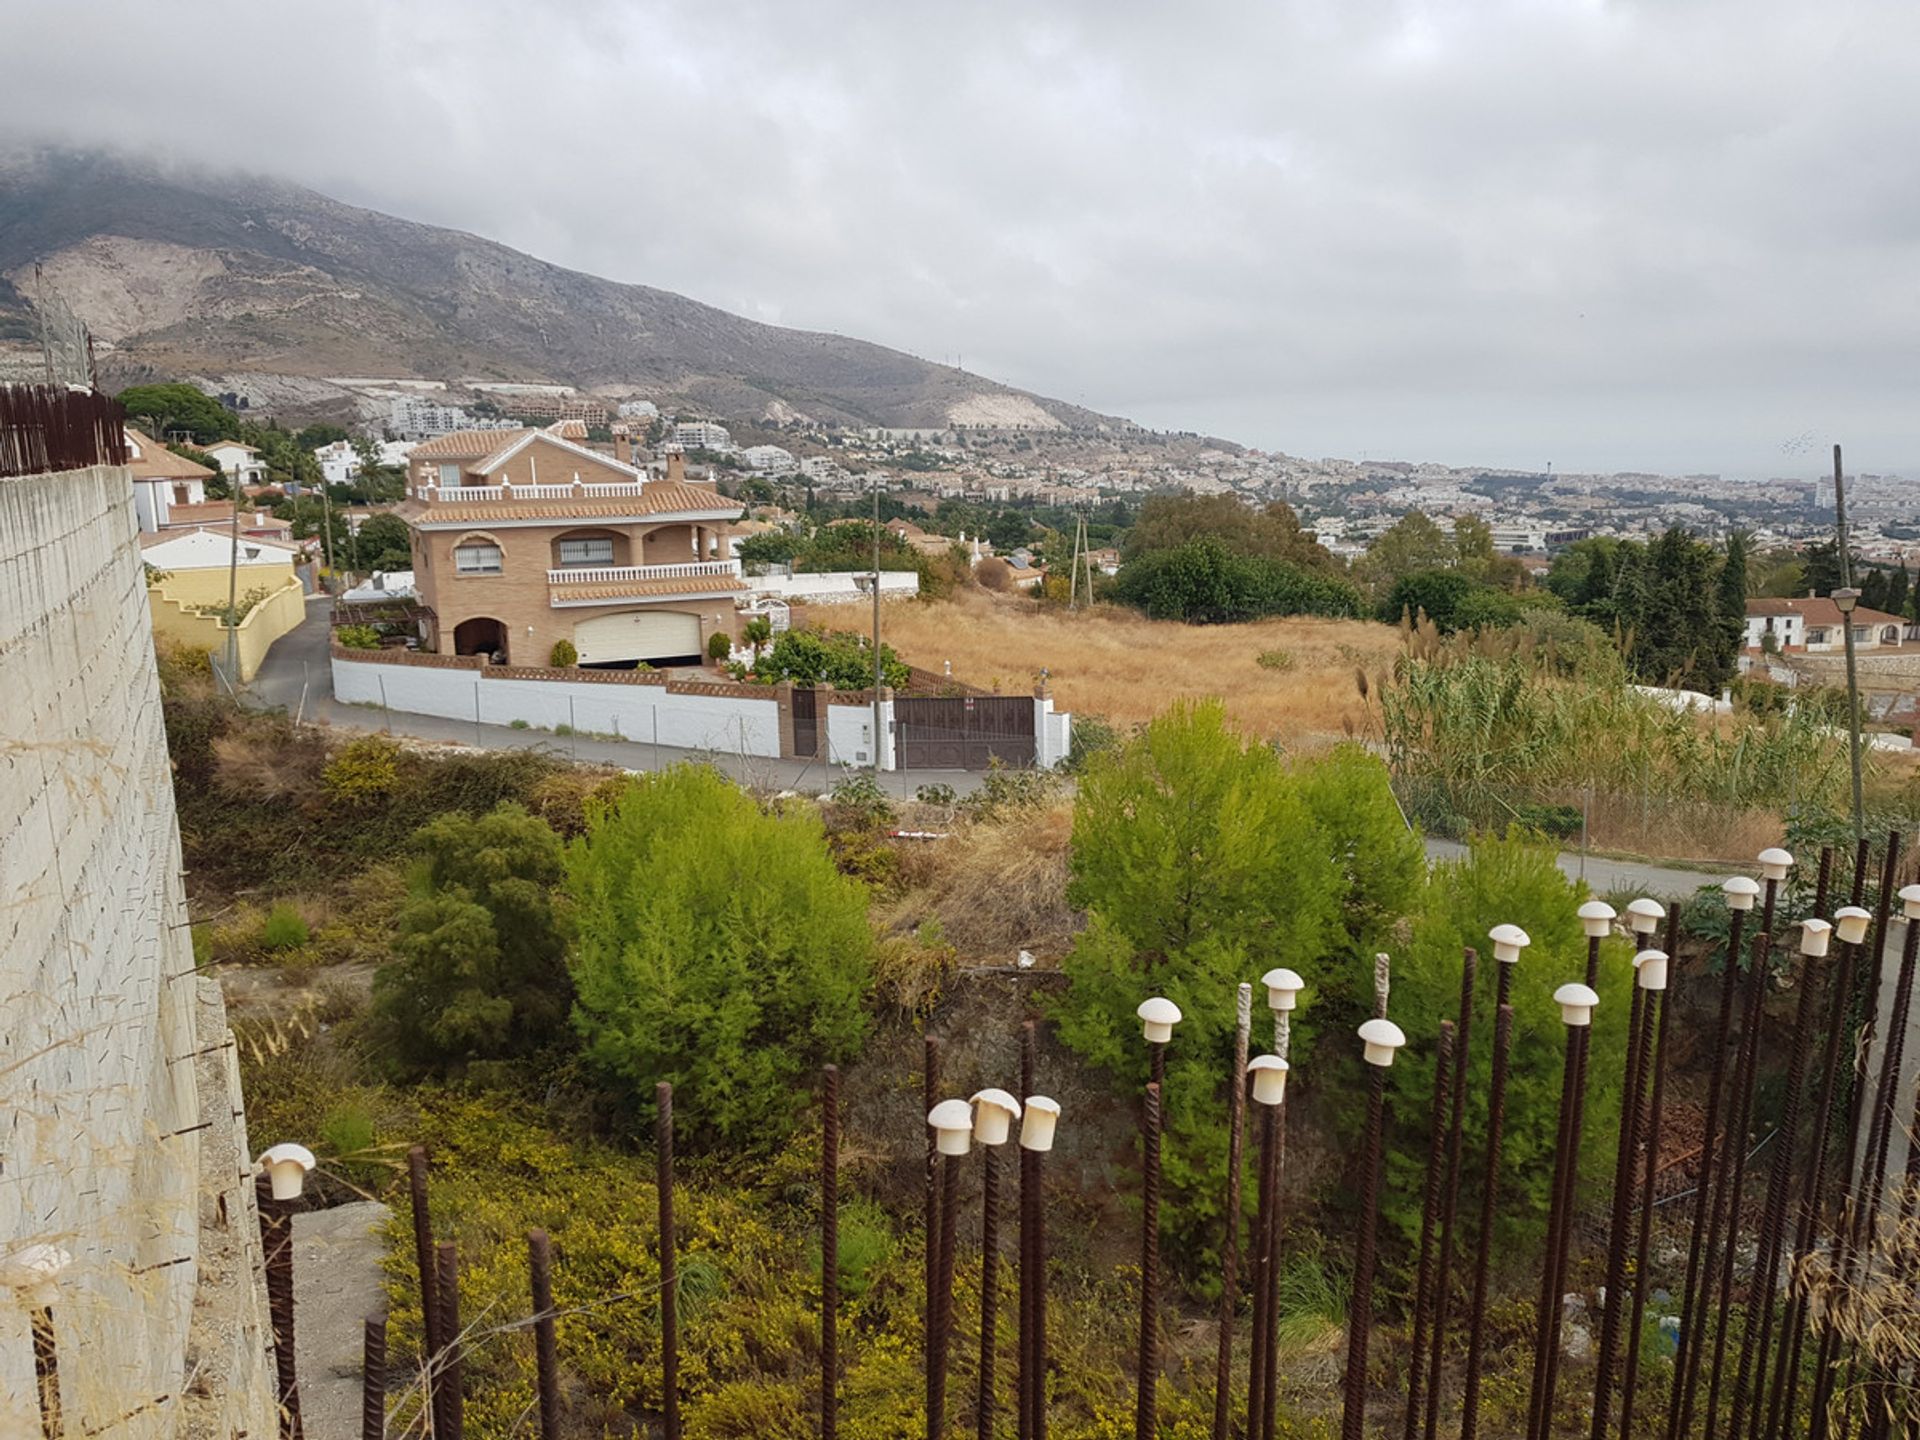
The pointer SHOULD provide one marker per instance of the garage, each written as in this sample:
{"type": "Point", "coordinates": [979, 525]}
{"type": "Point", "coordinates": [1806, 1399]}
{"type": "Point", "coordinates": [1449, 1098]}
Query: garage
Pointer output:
{"type": "Point", "coordinates": [620, 642]}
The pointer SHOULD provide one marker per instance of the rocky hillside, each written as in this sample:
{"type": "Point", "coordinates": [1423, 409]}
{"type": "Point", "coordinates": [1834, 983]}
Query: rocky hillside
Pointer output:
{"type": "Point", "coordinates": [269, 289]}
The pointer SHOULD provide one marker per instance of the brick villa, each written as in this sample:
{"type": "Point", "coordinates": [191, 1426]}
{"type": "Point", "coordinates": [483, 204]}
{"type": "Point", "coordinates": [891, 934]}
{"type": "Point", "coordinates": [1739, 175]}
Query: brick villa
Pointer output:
{"type": "Point", "coordinates": [524, 538]}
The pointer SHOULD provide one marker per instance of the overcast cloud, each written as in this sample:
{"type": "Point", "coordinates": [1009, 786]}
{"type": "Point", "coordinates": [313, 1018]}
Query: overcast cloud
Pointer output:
{"type": "Point", "coordinates": [1679, 234]}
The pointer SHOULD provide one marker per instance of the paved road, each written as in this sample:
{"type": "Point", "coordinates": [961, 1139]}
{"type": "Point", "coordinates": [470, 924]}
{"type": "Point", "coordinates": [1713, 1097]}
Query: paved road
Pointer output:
{"type": "Point", "coordinates": [297, 677]}
{"type": "Point", "coordinates": [1608, 876]}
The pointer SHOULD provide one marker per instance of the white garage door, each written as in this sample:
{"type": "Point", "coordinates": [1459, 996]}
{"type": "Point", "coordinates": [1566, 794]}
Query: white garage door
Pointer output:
{"type": "Point", "coordinates": [637, 635]}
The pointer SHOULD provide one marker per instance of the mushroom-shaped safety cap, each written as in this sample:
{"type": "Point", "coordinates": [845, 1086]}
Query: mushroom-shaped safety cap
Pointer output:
{"type": "Point", "coordinates": [1650, 969]}
{"type": "Point", "coordinates": [994, 1112]}
{"type": "Point", "coordinates": [952, 1122]}
{"type": "Point", "coordinates": [287, 1166]}
{"type": "Point", "coordinates": [1910, 901]}
{"type": "Point", "coordinates": [32, 1270]}
{"type": "Point", "coordinates": [1269, 1079]}
{"type": "Point", "coordinates": [1596, 918]}
{"type": "Point", "coordinates": [1775, 863]}
{"type": "Point", "coordinates": [1850, 923]}
{"type": "Point", "coordinates": [1814, 935]}
{"type": "Point", "coordinates": [1576, 1002]}
{"type": "Point", "coordinates": [1283, 988]}
{"type": "Point", "coordinates": [1379, 1039]}
{"type": "Point", "coordinates": [1158, 1016]}
{"type": "Point", "coordinates": [1037, 1123]}
{"type": "Point", "coordinates": [1741, 891]}
{"type": "Point", "coordinates": [1644, 915]}
{"type": "Point", "coordinates": [1508, 942]}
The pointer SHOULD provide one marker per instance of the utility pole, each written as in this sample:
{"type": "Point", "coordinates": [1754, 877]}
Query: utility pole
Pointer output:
{"type": "Point", "coordinates": [879, 674]}
{"type": "Point", "coordinates": [233, 590]}
{"type": "Point", "coordinates": [1847, 597]}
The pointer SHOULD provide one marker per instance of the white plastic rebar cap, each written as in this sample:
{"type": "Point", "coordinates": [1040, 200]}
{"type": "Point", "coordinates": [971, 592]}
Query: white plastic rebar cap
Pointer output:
{"type": "Point", "coordinates": [1269, 1079]}
{"type": "Point", "coordinates": [1508, 942]}
{"type": "Point", "coordinates": [952, 1122]}
{"type": "Point", "coordinates": [1644, 915]}
{"type": "Point", "coordinates": [1283, 988]}
{"type": "Point", "coordinates": [1910, 901]}
{"type": "Point", "coordinates": [1596, 918]}
{"type": "Point", "coordinates": [1158, 1016]}
{"type": "Point", "coordinates": [1379, 1039]}
{"type": "Point", "coordinates": [994, 1112]}
{"type": "Point", "coordinates": [1741, 891]}
{"type": "Point", "coordinates": [1650, 969]}
{"type": "Point", "coordinates": [1576, 1002]}
{"type": "Point", "coordinates": [1037, 1123]}
{"type": "Point", "coordinates": [1850, 921]}
{"type": "Point", "coordinates": [1775, 863]}
{"type": "Point", "coordinates": [32, 1270]}
{"type": "Point", "coordinates": [1815, 934]}
{"type": "Point", "coordinates": [287, 1166]}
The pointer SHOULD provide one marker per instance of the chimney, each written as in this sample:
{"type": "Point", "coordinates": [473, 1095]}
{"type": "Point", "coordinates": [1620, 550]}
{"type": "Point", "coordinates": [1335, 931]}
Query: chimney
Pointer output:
{"type": "Point", "coordinates": [676, 467]}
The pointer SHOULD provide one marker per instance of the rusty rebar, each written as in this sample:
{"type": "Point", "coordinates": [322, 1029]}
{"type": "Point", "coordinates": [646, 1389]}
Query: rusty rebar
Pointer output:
{"type": "Point", "coordinates": [1630, 1379]}
{"type": "Point", "coordinates": [1693, 1309]}
{"type": "Point", "coordinates": [1230, 1248]}
{"type": "Point", "coordinates": [1353, 1411]}
{"type": "Point", "coordinates": [942, 1304]}
{"type": "Point", "coordinates": [452, 1364]}
{"type": "Point", "coordinates": [1559, 1228]}
{"type": "Point", "coordinates": [1450, 1205]}
{"type": "Point", "coordinates": [1617, 1229]}
{"type": "Point", "coordinates": [1146, 1415]}
{"type": "Point", "coordinates": [1270, 1364]}
{"type": "Point", "coordinates": [373, 1379]}
{"type": "Point", "coordinates": [929, 1097]}
{"type": "Point", "coordinates": [1039, 1388]}
{"type": "Point", "coordinates": [1429, 1223]}
{"type": "Point", "coordinates": [989, 1285]}
{"type": "Point", "coordinates": [1263, 1258]}
{"type": "Point", "coordinates": [1756, 1342]}
{"type": "Point", "coordinates": [1490, 1186]}
{"type": "Point", "coordinates": [276, 1243]}
{"type": "Point", "coordinates": [1028, 1368]}
{"type": "Point", "coordinates": [669, 1263]}
{"type": "Point", "coordinates": [1734, 1162]}
{"type": "Point", "coordinates": [46, 1372]}
{"type": "Point", "coordinates": [546, 1350]}
{"type": "Point", "coordinates": [430, 1335]}
{"type": "Point", "coordinates": [829, 1251]}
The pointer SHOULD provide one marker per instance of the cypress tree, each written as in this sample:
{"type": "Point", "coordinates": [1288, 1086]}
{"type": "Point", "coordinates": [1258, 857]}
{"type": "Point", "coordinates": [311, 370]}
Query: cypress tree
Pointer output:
{"type": "Point", "coordinates": [1730, 601]}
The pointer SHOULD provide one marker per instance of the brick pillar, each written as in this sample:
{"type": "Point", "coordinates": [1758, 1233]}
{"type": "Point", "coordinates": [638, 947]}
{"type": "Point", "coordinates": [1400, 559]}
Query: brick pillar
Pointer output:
{"type": "Point", "coordinates": [783, 698]}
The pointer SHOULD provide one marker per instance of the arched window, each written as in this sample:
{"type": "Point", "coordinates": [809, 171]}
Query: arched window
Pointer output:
{"type": "Point", "coordinates": [478, 554]}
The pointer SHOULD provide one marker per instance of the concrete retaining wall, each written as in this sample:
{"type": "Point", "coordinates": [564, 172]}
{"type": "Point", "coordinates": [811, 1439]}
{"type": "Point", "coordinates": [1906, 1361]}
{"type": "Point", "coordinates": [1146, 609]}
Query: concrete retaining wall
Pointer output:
{"type": "Point", "coordinates": [174, 605]}
{"type": "Point", "coordinates": [745, 725]}
{"type": "Point", "coordinates": [100, 1111]}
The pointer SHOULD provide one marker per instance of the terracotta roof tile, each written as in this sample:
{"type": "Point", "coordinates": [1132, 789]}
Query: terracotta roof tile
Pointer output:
{"type": "Point", "coordinates": [1819, 610]}
{"type": "Point", "coordinates": [658, 497]}
{"type": "Point", "coordinates": [150, 460]}
{"type": "Point", "coordinates": [635, 589]}
{"type": "Point", "coordinates": [464, 444]}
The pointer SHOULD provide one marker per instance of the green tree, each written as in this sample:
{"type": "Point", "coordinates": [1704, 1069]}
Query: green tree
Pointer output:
{"type": "Point", "coordinates": [482, 973]}
{"type": "Point", "coordinates": [1730, 603]}
{"type": "Point", "coordinates": [383, 542]}
{"type": "Point", "coordinates": [1900, 592]}
{"type": "Point", "coordinates": [1171, 522]}
{"type": "Point", "coordinates": [1473, 547]}
{"type": "Point", "coordinates": [1412, 544]}
{"type": "Point", "coordinates": [1201, 865]}
{"type": "Point", "coordinates": [822, 657]}
{"type": "Point", "coordinates": [1676, 636]}
{"type": "Point", "coordinates": [1820, 567]}
{"type": "Point", "coordinates": [180, 407]}
{"type": "Point", "coordinates": [719, 949]}
{"type": "Point", "coordinates": [1203, 582]}
{"type": "Point", "coordinates": [1436, 594]}
{"type": "Point", "coordinates": [1873, 589]}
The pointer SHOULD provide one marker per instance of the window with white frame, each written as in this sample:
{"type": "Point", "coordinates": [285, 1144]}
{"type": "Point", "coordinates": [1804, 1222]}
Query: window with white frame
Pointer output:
{"type": "Point", "coordinates": [476, 558]}
{"type": "Point", "coordinates": [449, 474]}
{"type": "Point", "coordinates": [595, 551]}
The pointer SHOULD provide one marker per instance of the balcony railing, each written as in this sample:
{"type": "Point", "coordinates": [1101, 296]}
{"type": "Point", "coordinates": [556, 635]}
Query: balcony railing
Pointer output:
{"type": "Point", "coordinates": [616, 574]}
{"type": "Point", "coordinates": [480, 494]}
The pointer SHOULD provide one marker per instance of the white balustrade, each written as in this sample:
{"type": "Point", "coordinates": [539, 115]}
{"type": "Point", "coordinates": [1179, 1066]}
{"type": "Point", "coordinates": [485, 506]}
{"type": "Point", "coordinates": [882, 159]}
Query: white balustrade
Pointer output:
{"type": "Point", "coordinates": [616, 574]}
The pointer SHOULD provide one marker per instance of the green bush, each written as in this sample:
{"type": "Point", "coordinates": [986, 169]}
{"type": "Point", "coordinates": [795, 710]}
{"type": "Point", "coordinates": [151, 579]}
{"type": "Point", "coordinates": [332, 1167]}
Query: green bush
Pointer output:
{"type": "Point", "coordinates": [563, 655]}
{"type": "Point", "coordinates": [719, 645]}
{"type": "Point", "coordinates": [1281, 660]}
{"type": "Point", "coordinates": [364, 770]}
{"type": "Point", "coordinates": [1092, 735]}
{"type": "Point", "coordinates": [1205, 582]}
{"type": "Point", "coordinates": [483, 971]}
{"type": "Point", "coordinates": [358, 637]}
{"type": "Point", "coordinates": [283, 929]}
{"type": "Point", "coordinates": [836, 657]}
{"type": "Point", "coordinates": [719, 949]}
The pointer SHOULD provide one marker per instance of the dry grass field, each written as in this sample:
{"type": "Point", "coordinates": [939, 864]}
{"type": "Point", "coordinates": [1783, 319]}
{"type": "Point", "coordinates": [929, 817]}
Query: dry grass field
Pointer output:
{"type": "Point", "coordinates": [1116, 663]}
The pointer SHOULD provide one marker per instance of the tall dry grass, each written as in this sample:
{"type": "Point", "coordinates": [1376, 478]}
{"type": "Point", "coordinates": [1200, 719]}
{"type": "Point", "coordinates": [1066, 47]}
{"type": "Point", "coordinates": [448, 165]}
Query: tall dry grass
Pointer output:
{"type": "Point", "coordinates": [1114, 662]}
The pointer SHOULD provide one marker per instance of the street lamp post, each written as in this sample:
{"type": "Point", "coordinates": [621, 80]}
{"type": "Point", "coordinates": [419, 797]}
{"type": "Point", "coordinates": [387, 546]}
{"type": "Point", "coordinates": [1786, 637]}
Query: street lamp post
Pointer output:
{"type": "Point", "coordinates": [1847, 598]}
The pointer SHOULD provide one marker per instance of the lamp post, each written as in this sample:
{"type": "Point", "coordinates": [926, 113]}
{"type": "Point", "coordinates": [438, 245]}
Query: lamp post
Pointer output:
{"type": "Point", "coordinates": [994, 1112]}
{"type": "Point", "coordinates": [1846, 597]}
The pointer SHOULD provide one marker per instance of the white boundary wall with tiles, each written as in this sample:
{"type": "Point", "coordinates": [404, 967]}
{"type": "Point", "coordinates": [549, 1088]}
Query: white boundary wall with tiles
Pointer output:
{"type": "Point", "coordinates": [742, 726]}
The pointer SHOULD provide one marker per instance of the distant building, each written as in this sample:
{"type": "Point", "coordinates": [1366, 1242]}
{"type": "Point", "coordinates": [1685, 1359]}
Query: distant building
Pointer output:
{"type": "Point", "coordinates": [701, 435]}
{"type": "Point", "coordinates": [769, 459]}
{"type": "Point", "coordinates": [1813, 625]}
{"type": "Point", "coordinates": [240, 462]}
{"type": "Point", "coordinates": [412, 418]}
{"type": "Point", "coordinates": [644, 410]}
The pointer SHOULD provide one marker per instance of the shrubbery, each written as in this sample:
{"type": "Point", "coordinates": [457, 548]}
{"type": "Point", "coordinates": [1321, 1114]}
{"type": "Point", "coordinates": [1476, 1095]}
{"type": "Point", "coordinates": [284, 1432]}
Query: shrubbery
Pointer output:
{"type": "Point", "coordinates": [821, 657]}
{"type": "Point", "coordinates": [1205, 582]}
{"type": "Point", "coordinates": [357, 637]}
{"type": "Point", "coordinates": [563, 655]}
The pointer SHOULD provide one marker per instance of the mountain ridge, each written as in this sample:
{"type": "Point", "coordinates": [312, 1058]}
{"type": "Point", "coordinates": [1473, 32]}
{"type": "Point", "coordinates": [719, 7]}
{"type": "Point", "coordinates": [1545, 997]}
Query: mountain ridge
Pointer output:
{"type": "Point", "coordinates": [181, 271]}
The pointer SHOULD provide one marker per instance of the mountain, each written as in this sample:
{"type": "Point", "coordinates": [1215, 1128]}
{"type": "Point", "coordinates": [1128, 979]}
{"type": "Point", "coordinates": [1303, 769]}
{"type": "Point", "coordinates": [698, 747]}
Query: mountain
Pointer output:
{"type": "Point", "coordinates": [265, 288]}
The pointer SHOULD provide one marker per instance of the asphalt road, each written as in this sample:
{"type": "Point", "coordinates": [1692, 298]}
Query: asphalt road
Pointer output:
{"type": "Point", "coordinates": [298, 678]}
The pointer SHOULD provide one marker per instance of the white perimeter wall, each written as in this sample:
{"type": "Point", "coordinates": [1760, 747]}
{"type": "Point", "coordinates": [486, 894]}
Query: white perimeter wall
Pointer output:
{"type": "Point", "coordinates": [748, 726]}
{"type": "Point", "coordinates": [834, 587]}
{"type": "Point", "coordinates": [99, 1107]}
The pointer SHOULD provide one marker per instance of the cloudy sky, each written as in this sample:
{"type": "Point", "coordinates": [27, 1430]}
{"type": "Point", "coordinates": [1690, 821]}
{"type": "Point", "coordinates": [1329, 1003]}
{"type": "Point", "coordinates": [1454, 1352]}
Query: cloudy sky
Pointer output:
{"type": "Point", "coordinates": [1678, 234]}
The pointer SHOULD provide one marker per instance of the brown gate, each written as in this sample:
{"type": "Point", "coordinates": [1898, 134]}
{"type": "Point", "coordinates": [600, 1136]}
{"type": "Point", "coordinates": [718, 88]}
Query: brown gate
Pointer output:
{"type": "Point", "coordinates": [963, 732]}
{"type": "Point", "coordinates": [806, 722]}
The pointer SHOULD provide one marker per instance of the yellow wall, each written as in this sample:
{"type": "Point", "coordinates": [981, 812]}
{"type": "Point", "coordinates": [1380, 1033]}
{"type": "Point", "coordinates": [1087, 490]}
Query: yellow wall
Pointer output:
{"type": "Point", "coordinates": [171, 602]}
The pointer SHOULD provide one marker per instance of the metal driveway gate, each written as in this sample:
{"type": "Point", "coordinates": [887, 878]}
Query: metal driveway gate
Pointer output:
{"type": "Point", "coordinates": [962, 732]}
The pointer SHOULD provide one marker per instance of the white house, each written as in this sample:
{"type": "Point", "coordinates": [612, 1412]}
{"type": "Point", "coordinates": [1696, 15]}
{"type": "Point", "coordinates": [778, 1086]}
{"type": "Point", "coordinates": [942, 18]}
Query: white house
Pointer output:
{"type": "Point", "coordinates": [769, 459]}
{"type": "Point", "coordinates": [214, 548]}
{"type": "Point", "coordinates": [241, 462]}
{"type": "Point", "coordinates": [339, 462]}
{"type": "Point", "coordinates": [1812, 624]}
